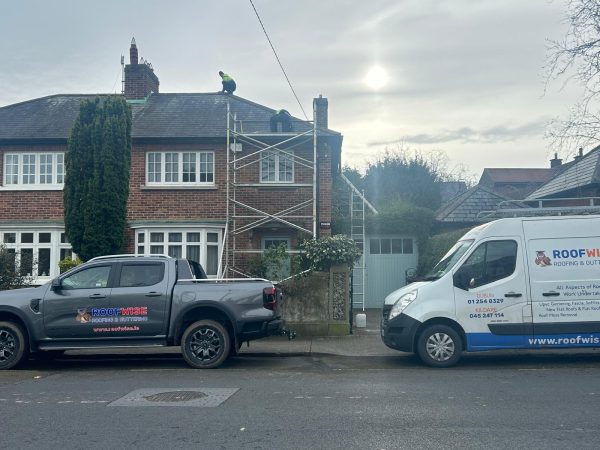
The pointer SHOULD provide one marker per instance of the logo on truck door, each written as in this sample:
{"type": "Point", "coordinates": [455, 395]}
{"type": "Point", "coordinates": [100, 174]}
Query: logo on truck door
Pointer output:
{"type": "Point", "coordinates": [541, 259]}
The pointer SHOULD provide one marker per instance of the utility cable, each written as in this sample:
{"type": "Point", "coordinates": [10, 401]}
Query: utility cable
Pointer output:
{"type": "Point", "coordinates": [277, 57]}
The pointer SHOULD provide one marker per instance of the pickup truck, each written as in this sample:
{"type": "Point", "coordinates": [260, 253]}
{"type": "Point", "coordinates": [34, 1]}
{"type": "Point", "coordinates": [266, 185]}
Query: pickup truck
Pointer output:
{"type": "Point", "coordinates": [138, 301]}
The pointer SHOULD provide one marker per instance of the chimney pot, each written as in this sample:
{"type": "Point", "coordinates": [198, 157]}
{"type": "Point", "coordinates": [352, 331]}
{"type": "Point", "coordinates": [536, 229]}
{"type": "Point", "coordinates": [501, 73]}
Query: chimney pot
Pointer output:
{"type": "Point", "coordinates": [556, 162]}
{"type": "Point", "coordinates": [133, 53]}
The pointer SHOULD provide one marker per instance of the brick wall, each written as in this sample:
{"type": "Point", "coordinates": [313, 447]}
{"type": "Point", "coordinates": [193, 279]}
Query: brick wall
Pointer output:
{"type": "Point", "coordinates": [199, 205]}
{"type": "Point", "coordinates": [30, 205]}
{"type": "Point", "coordinates": [140, 80]}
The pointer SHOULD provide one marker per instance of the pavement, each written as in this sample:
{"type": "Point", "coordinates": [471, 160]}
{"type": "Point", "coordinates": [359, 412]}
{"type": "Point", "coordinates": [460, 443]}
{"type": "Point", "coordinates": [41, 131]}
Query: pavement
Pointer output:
{"type": "Point", "coordinates": [362, 342]}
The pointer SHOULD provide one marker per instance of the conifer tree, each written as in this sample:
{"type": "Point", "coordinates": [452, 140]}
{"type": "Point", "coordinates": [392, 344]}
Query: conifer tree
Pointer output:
{"type": "Point", "coordinates": [97, 177]}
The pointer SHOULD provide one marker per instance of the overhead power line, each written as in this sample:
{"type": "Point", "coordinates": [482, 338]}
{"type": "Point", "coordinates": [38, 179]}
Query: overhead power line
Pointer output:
{"type": "Point", "coordinates": [277, 57]}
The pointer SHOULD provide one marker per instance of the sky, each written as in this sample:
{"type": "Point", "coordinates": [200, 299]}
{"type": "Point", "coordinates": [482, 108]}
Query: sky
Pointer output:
{"type": "Point", "coordinates": [464, 78]}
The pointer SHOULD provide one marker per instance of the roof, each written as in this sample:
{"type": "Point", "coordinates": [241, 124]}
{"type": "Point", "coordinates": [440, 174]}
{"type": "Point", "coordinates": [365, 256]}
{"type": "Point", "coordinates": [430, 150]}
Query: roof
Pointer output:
{"type": "Point", "coordinates": [160, 116]}
{"type": "Point", "coordinates": [516, 175]}
{"type": "Point", "coordinates": [466, 207]}
{"type": "Point", "coordinates": [581, 172]}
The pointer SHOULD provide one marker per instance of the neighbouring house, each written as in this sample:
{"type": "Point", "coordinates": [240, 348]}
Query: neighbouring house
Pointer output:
{"type": "Point", "coordinates": [576, 179]}
{"type": "Point", "coordinates": [191, 194]}
{"type": "Point", "coordinates": [515, 183]}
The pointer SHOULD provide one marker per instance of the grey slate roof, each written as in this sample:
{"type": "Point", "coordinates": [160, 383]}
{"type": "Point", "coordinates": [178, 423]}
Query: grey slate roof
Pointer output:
{"type": "Point", "coordinates": [581, 172]}
{"type": "Point", "coordinates": [467, 206]}
{"type": "Point", "coordinates": [163, 116]}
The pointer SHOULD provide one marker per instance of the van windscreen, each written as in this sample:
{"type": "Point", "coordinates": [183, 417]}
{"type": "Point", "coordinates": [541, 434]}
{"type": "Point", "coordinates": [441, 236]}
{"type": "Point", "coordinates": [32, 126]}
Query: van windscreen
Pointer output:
{"type": "Point", "coordinates": [449, 260]}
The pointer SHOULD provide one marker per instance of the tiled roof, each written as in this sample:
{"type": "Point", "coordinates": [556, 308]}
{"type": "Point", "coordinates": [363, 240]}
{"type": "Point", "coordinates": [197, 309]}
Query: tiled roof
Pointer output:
{"type": "Point", "coordinates": [160, 116]}
{"type": "Point", "coordinates": [581, 172]}
{"type": "Point", "coordinates": [468, 205]}
{"type": "Point", "coordinates": [517, 175]}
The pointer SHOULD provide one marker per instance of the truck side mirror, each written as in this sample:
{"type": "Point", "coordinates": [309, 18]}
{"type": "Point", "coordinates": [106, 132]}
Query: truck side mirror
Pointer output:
{"type": "Point", "coordinates": [56, 284]}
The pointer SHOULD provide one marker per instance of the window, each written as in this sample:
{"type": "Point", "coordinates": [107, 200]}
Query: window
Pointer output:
{"type": "Point", "coordinates": [202, 245]}
{"type": "Point", "coordinates": [34, 170]}
{"type": "Point", "coordinates": [37, 253]}
{"type": "Point", "coordinates": [90, 278]}
{"type": "Point", "coordinates": [277, 167]}
{"type": "Point", "coordinates": [141, 274]}
{"type": "Point", "coordinates": [180, 168]}
{"type": "Point", "coordinates": [278, 271]}
{"type": "Point", "coordinates": [393, 246]}
{"type": "Point", "coordinates": [489, 262]}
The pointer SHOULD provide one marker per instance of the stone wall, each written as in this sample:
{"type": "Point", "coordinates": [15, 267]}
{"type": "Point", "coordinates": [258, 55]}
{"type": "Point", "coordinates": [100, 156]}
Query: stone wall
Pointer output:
{"type": "Point", "coordinates": [319, 304]}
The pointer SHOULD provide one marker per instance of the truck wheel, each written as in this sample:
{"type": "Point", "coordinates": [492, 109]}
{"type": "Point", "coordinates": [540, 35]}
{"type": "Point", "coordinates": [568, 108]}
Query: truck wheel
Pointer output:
{"type": "Point", "coordinates": [205, 344]}
{"type": "Point", "coordinates": [13, 346]}
{"type": "Point", "coordinates": [439, 346]}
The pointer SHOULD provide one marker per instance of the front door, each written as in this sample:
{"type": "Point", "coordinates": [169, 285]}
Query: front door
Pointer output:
{"type": "Point", "coordinates": [490, 291]}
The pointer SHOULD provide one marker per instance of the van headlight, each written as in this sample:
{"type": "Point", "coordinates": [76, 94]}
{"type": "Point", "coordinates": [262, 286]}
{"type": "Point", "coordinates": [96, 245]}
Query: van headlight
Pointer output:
{"type": "Point", "coordinates": [402, 303]}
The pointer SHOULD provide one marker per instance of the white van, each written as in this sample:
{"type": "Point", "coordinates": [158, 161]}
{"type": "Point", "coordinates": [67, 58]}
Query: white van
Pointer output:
{"type": "Point", "coordinates": [513, 283]}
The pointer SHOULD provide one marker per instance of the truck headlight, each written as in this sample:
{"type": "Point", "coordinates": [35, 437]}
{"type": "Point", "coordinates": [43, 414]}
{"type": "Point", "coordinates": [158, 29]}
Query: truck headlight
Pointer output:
{"type": "Point", "coordinates": [402, 303]}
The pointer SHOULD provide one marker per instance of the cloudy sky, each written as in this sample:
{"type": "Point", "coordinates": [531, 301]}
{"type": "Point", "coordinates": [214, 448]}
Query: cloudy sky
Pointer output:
{"type": "Point", "coordinates": [465, 77]}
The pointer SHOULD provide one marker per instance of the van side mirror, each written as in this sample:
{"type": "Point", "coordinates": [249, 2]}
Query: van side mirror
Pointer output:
{"type": "Point", "coordinates": [56, 284]}
{"type": "Point", "coordinates": [461, 280]}
{"type": "Point", "coordinates": [410, 275]}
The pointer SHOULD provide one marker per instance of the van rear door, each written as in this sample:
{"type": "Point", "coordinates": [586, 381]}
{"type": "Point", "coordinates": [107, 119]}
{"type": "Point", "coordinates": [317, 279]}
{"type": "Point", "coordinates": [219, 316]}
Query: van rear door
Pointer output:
{"type": "Point", "coordinates": [564, 261]}
{"type": "Point", "coordinates": [491, 295]}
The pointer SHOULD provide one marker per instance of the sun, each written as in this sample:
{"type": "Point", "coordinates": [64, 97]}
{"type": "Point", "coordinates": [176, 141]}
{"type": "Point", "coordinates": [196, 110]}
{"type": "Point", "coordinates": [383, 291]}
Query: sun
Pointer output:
{"type": "Point", "coordinates": [376, 78]}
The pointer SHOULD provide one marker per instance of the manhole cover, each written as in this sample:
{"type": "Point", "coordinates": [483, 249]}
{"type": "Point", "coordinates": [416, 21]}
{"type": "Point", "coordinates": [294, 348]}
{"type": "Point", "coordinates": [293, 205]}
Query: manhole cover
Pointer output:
{"type": "Point", "coordinates": [175, 396]}
{"type": "Point", "coordinates": [204, 397]}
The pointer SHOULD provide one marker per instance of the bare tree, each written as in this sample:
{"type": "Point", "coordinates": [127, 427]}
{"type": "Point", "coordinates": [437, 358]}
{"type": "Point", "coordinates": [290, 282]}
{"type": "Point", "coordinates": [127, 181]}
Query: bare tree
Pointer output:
{"type": "Point", "coordinates": [576, 57]}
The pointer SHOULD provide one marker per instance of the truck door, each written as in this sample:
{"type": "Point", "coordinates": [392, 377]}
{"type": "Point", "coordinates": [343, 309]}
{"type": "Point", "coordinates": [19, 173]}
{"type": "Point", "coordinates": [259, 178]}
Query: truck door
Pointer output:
{"type": "Point", "coordinates": [67, 309]}
{"type": "Point", "coordinates": [491, 295]}
{"type": "Point", "coordinates": [141, 294]}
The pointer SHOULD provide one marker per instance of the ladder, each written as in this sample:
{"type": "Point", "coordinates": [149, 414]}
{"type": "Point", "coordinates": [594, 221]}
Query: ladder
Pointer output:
{"type": "Point", "coordinates": [358, 202]}
{"type": "Point", "coordinates": [357, 234]}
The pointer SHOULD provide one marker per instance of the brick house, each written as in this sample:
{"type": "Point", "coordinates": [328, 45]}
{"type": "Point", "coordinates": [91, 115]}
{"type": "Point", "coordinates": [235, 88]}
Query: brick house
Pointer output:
{"type": "Point", "coordinates": [191, 195]}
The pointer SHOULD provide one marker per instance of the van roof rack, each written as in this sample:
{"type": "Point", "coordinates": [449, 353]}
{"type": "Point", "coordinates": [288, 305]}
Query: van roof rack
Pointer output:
{"type": "Point", "coordinates": [130, 256]}
{"type": "Point", "coordinates": [568, 206]}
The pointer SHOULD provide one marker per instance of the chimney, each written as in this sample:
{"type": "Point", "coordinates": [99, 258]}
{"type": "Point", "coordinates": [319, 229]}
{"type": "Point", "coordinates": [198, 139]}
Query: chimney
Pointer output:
{"type": "Point", "coordinates": [556, 162]}
{"type": "Point", "coordinates": [320, 106]}
{"type": "Point", "coordinates": [580, 155]}
{"type": "Point", "coordinates": [140, 79]}
{"type": "Point", "coordinates": [133, 53]}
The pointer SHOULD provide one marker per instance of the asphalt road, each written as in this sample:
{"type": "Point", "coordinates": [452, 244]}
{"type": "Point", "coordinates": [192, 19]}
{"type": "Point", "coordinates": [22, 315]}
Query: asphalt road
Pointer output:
{"type": "Point", "coordinates": [546, 401]}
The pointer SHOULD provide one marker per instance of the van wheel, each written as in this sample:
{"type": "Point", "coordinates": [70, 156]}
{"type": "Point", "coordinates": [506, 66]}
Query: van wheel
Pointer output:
{"type": "Point", "coordinates": [205, 344]}
{"type": "Point", "coordinates": [13, 346]}
{"type": "Point", "coordinates": [439, 346]}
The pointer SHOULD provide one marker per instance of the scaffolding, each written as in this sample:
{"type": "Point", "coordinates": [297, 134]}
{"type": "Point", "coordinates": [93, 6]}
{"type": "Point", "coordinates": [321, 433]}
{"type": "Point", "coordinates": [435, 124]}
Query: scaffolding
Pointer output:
{"type": "Point", "coordinates": [248, 145]}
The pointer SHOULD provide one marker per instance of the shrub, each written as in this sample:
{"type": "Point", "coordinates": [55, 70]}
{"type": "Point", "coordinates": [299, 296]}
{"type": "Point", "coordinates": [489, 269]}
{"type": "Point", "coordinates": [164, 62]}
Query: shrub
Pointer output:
{"type": "Point", "coordinates": [68, 263]}
{"type": "Point", "coordinates": [323, 253]}
{"type": "Point", "coordinates": [435, 247]}
{"type": "Point", "coordinates": [10, 277]}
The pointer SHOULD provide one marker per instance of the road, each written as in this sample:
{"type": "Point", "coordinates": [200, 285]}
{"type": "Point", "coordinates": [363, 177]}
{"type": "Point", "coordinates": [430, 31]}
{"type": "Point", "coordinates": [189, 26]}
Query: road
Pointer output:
{"type": "Point", "coordinates": [304, 402]}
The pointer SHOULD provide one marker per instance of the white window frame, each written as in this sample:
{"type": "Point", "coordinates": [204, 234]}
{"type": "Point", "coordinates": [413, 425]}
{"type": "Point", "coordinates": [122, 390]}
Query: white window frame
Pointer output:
{"type": "Point", "coordinates": [54, 245]}
{"type": "Point", "coordinates": [38, 178]}
{"type": "Point", "coordinates": [145, 246]}
{"type": "Point", "coordinates": [198, 165]}
{"type": "Point", "coordinates": [278, 156]}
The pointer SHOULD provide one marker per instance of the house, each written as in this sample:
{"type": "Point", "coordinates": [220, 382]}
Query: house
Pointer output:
{"type": "Point", "coordinates": [515, 183]}
{"type": "Point", "coordinates": [191, 194]}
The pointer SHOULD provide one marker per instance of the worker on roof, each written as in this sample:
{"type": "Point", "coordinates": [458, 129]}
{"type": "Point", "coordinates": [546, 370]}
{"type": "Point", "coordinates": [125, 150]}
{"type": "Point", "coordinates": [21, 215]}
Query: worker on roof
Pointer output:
{"type": "Point", "coordinates": [228, 83]}
{"type": "Point", "coordinates": [281, 117]}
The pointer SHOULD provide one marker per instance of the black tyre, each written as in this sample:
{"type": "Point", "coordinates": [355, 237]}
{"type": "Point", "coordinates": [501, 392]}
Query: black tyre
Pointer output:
{"type": "Point", "coordinates": [439, 346]}
{"type": "Point", "coordinates": [205, 344]}
{"type": "Point", "coordinates": [13, 346]}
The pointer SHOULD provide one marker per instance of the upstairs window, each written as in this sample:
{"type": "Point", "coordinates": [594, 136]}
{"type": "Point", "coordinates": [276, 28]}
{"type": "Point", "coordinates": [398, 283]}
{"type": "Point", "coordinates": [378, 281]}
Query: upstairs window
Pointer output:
{"type": "Point", "coordinates": [34, 170]}
{"type": "Point", "coordinates": [277, 167]}
{"type": "Point", "coordinates": [180, 168]}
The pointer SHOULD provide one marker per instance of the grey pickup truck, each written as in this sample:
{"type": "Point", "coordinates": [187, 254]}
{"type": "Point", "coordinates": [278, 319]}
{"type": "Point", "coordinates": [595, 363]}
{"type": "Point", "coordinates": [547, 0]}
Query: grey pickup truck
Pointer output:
{"type": "Point", "coordinates": [138, 301]}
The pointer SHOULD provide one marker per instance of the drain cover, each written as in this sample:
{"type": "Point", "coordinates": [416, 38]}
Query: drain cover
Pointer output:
{"type": "Point", "coordinates": [175, 396]}
{"type": "Point", "coordinates": [187, 397]}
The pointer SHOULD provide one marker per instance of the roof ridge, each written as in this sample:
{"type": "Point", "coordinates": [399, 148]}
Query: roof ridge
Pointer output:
{"type": "Point", "coordinates": [24, 102]}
